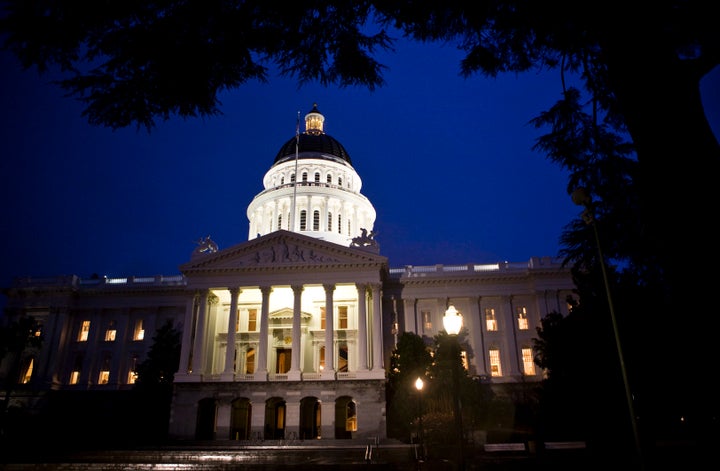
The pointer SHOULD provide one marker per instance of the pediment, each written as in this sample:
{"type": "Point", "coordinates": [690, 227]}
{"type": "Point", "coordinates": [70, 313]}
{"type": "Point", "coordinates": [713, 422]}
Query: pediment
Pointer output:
{"type": "Point", "coordinates": [281, 249]}
{"type": "Point", "coordinates": [287, 314]}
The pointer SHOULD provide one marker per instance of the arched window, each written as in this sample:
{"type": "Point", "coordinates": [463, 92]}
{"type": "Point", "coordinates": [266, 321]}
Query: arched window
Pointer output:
{"type": "Point", "coordinates": [329, 178]}
{"type": "Point", "coordinates": [292, 178]}
{"type": "Point", "coordinates": [316, 220]}
{"type": "Point", "coordinates": [317, 177]}
{"type": "Point", "coordinates": [282, 180]}
{"type": "Point", "coordinates": [339, 181]}
{"type": "Point", "coordinates": [304, 176]}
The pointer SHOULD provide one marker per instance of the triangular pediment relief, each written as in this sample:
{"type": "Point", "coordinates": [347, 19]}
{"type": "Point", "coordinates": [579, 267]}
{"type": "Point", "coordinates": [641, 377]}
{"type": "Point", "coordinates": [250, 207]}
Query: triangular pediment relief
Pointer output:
{"type": "Point", "coordinates": [281, 249]}
{"type": "Point", "coordinates": [287, 313]}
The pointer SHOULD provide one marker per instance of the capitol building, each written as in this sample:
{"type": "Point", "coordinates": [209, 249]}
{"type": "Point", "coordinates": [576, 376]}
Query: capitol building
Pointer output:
{"type": "Point", "coordinates": [287, 334]}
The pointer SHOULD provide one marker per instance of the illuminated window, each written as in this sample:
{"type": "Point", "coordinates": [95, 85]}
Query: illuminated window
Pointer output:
{"type": "Point", "coordinates": [323, 319]}
{"type": "Point", "coordinates": [343, 358]}
{"type": "Point", "coordinates": [110, 332]}
{"type": "Point", "coordinates": [528, 363]}
{"type": "Point", "coordinates": [427, 320]}
{"type": "Point", "coordinates": [329, 221]}
{"type": "Point", "coordinates": [252, 320]}
{"type": "Point", "coordinates": [139, 332]}
{"type": "Point", "coordinates": [522, 318]}
{"type": "Point", "coordinates": [342, 317]}
{"type": "Point", "coordinates": [316, 220]}
{"type": "Point", "coordinates": [322, 358]}
{"type": "Point", "coordinates": [132, 371]}
{"type": "Point", "coordinates": [317, 177]}
{"type": "Point", "coordinates": [75, 373]}
{"type": "Point", "coordinates": [490, 320]}
{"type": "Point", "coordinates": [104, 376]}
{"type": "Point", "coordinates": [495, 368]}
{"type": "Point", "coordinates": [250, 361]}
{"type": "Point", "coordinates": [303, 220]}
{"type": "Point", "coordinates": [84, 331]}
{"type": "Point", "coordinates": [26, 370]}
{"type": "Point", "coordinates": [351, 418]}
{"type": "Point", "coordinates": [464, 359]}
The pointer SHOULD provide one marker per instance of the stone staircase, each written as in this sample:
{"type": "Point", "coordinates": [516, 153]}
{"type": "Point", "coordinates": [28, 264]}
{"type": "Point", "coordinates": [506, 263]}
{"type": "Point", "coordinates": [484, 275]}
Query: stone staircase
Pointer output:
{"type": "Point", "coordinates": [221, 456]}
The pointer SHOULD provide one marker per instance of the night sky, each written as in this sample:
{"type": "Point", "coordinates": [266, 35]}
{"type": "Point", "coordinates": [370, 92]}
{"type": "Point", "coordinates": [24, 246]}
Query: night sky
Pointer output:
{"type": "Point", "coordinates": [446, 161]}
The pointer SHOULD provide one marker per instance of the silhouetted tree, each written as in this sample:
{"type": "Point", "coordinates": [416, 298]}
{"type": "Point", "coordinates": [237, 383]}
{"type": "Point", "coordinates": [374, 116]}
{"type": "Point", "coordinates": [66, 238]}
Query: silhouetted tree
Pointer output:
{"type": "Point", "coordinates": [163, 359]}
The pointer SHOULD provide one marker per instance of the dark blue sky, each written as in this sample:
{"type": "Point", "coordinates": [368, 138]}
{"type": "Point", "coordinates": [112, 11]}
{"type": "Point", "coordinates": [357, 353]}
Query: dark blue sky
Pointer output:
{"type": "Point", "coordinates": [446, 162]}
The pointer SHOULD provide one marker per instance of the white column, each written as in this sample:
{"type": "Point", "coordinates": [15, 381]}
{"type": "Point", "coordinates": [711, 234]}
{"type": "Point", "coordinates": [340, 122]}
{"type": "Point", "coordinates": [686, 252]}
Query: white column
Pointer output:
{"type": "Point", "coordinates": [329, 371]}
{"type": "Point", "coordinates": [409, 318]}
{"type": "Point", "coordinates": [362, 337]}
{"type": "Point", "coordinates": [198, 354]}
{"type": "Point", "coordinates": [186, 348]}
{"type": "Point", "coordinates": [261, 372]}
{"type": "Point", "coordinates": [377, 338]}
{"type": "Point", "coordinates": [229, 373]}
{"type": "Point", "coordinates": [294, 373]}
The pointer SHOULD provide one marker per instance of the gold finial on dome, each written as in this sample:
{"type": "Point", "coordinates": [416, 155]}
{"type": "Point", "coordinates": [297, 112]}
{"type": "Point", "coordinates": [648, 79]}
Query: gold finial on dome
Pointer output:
{"type": "Point", "coordinates": [314, 121]}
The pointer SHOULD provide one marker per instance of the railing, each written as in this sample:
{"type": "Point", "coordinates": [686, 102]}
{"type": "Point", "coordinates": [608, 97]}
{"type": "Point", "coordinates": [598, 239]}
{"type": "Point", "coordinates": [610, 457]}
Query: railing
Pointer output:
{"type": "Point", "coordinates": [73, 281]}
{"type": "Point", "coordinates": [424, 270]}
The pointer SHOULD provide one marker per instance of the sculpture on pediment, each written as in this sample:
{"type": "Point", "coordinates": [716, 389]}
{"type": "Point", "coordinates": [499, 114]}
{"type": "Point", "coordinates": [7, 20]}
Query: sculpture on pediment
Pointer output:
{"type": "Point", "coordinates": [205, 245]}
{"type": "Point", "coordinates": [364, 239]}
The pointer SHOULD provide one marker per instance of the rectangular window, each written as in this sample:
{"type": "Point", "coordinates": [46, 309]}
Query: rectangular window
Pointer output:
{"type": "Point", "coordinates": [339, 223]}
{"type": "Point", "coordinates": [342, 317]}
{"type": "Point", "coordinates": [316, 220]}
{"type": "Point", "coordinates": [528, 363]}
{"type": "Point", "coordinates": [426, 319]}
{"type": "Point", "coordinates": [139, 332]}
{"type": "Point", "coordinates": [104, 376]}
{"type": "Point", "coordinates": [132, 371]}
{"type": "Point", "coordinates": [343, 358]}
{"type": "Point", "coordinates": [303, 220]}
{"type": "Point", "coordinates": [522, 318]}
{"type": "Point", "coordinates": [322, 358]}
{"type": "Point", "coordinates": [84, 331]}
{"type": "Point", "coordinates": [490, 320]}
{"type": "Point", "coordinates": [329, 222]}
{"type": "Point", "coordinates": [323, 318]}
{"type": "Point", "coordinates": [110, 332]}
{"type": "Point", "coordinates": [75, 373]}
{"type": "Point", "coordinates": [252, 320]}
{"type": "Point", "coordinates": [250, 361]}
{"type": "Point", "coordinates": [495, 367]}
{"type": "Point", "coordinates": [26, 370]}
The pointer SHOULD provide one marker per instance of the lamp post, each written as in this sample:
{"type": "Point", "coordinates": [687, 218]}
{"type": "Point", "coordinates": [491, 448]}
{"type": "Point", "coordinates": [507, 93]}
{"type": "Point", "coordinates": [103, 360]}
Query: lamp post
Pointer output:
{"type": "Point", "coordinates": [452, 321]}
{"type": "Point", "coordinates": [581, 197]}
{"type": "Point", "coordinates": [419, 386]}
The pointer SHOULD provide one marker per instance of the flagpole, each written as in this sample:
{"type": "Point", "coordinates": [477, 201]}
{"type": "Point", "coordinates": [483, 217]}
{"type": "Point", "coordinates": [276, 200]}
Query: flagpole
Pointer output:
{"type": "Point", "coordinates": [297, 150]}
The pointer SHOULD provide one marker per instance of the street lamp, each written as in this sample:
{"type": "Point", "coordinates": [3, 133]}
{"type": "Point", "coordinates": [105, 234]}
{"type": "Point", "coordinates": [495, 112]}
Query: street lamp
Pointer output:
{"type": "Point", "coordinates": [453, 321]}
{"type": "Point", "coordinates": [582, 198]}
{"type": "Point", "coordinates": [419, 386]}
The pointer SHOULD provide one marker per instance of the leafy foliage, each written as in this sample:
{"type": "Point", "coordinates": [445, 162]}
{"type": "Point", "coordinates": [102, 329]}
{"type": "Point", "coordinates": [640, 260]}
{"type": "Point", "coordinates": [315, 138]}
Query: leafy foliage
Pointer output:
{"type": "Point", "coordinates": [163, 359]}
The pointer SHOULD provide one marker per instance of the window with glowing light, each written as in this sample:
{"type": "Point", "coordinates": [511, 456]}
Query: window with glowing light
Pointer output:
{"type": "Point", "coordinates": [132, 369]}
{"type": "Point", "coordinates": [522, 318]}
{"type": "Point", "coordinates": [426, 319]}
{"type": "Point", "coordinates": [138, 332]}
{"type": "Point", "coordinates": [252, 320]}
{"type": "Point", "coordinates": [104, 376]}
{"type": "Point", "coordinates": [342, 317]}
{"type": "Point", "coordinates": [343, 358]}
{"type": "Point", "coordinates": [26, 370]}
{"type": "Point", "coordinates": [323, 318]}
{"type": "Point", "coordinates": [250, 361]}
{"type": "Point", "coordinates": [495, 367]}
{"type": "Point", "coordinates": [322, 358]}
{"type": "Point", "coordinates": [110, 332]}
{"type": "Point", "coordinates": [84, 331]}
{"type": "Point", "coordinates": [528, 363]}
{"type": "Point", "coordinates": [490, 320]}
{"type": "Point", "coordinates": [75, 373]}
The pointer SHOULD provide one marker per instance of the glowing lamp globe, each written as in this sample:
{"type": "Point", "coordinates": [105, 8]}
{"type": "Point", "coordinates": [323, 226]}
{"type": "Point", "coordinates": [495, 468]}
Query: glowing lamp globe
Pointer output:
{"type": "Point", "coordinates": [452, 321]}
